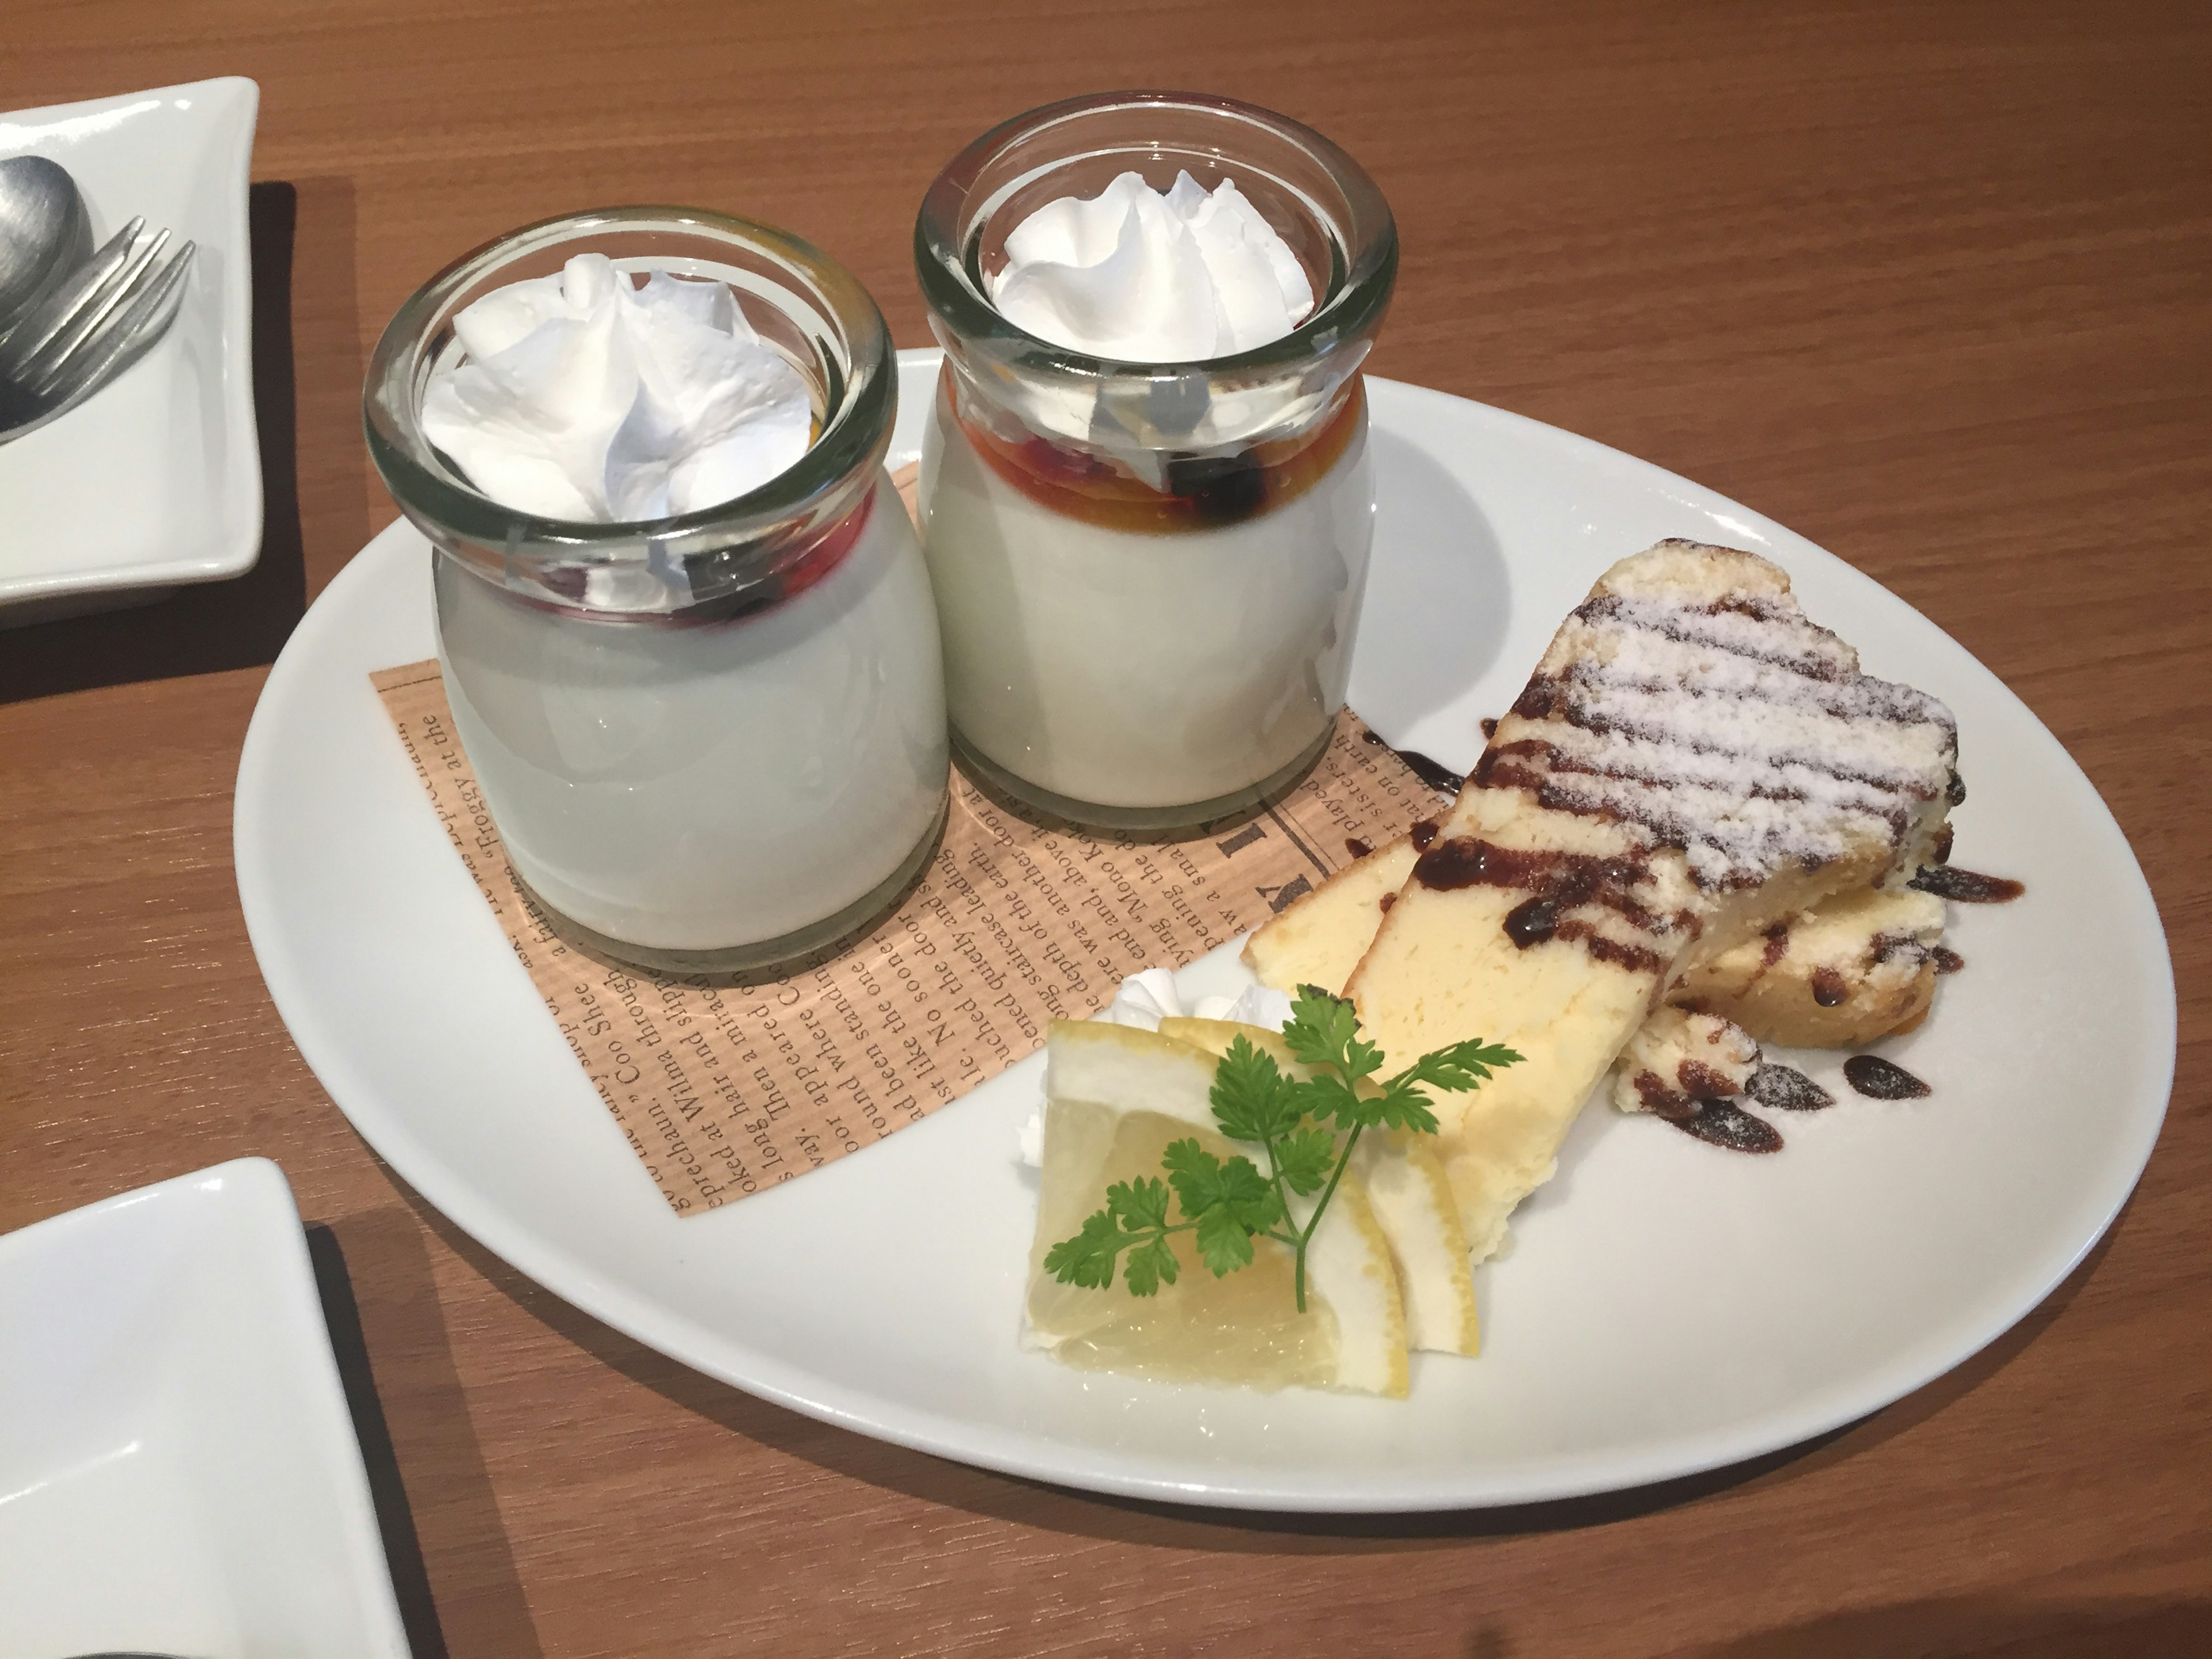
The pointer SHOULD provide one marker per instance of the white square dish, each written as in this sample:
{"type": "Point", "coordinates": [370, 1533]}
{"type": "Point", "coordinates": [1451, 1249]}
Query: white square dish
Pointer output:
{"type": "Point", "coordinates": [178, 1470]}
{"type": "Point", "coordinates": [156, 479]}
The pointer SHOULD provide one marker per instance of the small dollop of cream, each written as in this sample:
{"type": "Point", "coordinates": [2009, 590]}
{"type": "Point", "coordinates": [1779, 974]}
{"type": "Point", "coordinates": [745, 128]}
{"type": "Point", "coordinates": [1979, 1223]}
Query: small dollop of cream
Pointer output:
{"type": "Point", "coordinates": [584, 395]}
{"type": "Point", "coordinates": [1138, 276]}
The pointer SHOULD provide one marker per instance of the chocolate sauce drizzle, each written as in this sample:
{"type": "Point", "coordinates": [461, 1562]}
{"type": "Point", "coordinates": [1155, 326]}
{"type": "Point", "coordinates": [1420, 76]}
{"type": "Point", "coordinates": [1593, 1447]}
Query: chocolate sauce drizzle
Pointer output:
{"type": "Point", "coordinates": [1883, 1079]}
{"type": "Point", "coordinates": [1532, 922]}
{"type": "Point", "coordinates": [1557, 883]}
{"type": "Point", "coordinates": [1701, 1082]}
{"type": "Point", "coordinates": [1647, 738]}
{"type": "Point", "coordinates": [1430, 770]}
{"type": "Point", "coordinates": [1885, 946]}
{"type": "Point", "coordinates": [1724, 1123]}
{"type": "Point", "coordinates": [1786, 1089]}
{"type": "Point", "coordinates": [1967, 886]}
{"type": "Point", "coordinates": [1671, 717]}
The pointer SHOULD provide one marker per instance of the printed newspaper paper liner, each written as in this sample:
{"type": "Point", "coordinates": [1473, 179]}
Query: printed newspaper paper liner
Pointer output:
{"type": "Point", "coordinates": [724, 1088]}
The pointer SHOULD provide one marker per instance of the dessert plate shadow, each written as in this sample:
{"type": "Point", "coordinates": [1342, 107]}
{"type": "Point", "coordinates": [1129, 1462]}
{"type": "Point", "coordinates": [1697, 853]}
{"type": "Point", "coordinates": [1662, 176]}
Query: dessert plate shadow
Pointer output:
{"type": "Point", "coordinates": [1669, 1308]}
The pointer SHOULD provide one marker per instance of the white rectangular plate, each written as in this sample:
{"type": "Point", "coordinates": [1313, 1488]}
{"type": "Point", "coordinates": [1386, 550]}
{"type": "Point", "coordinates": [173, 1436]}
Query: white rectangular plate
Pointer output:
{"type": "Point", "coordinates": [178, 1470]}
{"type": "Point", "coordinates": [154, 480]}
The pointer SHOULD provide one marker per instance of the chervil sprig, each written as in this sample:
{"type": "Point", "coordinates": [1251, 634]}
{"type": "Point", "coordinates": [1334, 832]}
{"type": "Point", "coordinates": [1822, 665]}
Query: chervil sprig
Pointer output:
{"type": "Point", "coordinates": [1296, 1122]}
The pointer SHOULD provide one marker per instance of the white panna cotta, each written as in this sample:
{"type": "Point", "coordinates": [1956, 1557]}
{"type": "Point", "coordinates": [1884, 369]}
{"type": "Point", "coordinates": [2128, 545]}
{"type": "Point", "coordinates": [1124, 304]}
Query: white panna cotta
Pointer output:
{"type": "Point", "coordinates": [685, 621]}
{"type": "Point", "coordinates": [1149, 573]}
{"type": "Point", "coordinates": [699, 786]}
{"type": "Point", "coordinates": [1135, 668]}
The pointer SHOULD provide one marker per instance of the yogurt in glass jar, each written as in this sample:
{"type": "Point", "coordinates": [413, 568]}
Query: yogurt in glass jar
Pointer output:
{"type": "Point", "coordinates": [1146, 496]}
{"type": "Point", "coordinates": [712, 739]}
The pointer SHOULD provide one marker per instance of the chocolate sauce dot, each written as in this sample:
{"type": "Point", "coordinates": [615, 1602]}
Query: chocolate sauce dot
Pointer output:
{"type": "Point", "coordinates": [1703, 1082]}
{"type": "Point", "coordinates": [1967, 886]}
{"type": "Point", "coordinates": [1883, 1079]}
{"type": "Point", "coordinates": [1724, 1123]}
{"type": "Point", "coordinates": [1533, 922]}
{"type": "Point", "coordinates": [1489, 727]}
{"type": "Point", "coordinates": [1948, 961]}
{"type": "Point", "coordinates": [1786, 1089]}
{"type": "Point", "coordinates": [1828, 988]}
{"type": "Point", "coordinates": [1388, 899]}
{"type": "Point", "coordinates": [1357, 848]}
{"type": "Point", "coordinates": [1423, 833]}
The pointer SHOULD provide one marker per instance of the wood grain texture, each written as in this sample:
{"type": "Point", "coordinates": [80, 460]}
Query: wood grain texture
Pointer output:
{"type": "Point", "coordinates": [1932, 284]}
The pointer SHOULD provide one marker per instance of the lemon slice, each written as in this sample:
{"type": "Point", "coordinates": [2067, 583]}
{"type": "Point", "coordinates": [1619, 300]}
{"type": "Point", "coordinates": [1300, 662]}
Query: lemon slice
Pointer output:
{"type": "Point", "coordinates": [1116, 1096]}
{"type": "Point", "coordinates": [1410, 1194]}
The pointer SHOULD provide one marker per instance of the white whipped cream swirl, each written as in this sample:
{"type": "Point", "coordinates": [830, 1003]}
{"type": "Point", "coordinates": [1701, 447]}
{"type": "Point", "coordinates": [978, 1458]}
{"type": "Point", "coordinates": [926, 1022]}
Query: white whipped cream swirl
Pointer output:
{"type": "Point", "coordinates": [1136, 276]}
{"type": "Point", "coordinates": [585, 397]}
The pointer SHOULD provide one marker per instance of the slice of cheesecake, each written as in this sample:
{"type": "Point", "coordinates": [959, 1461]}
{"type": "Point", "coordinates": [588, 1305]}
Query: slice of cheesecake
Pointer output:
{"type": "Point", "coordinates": [1858, 967]}
{"type": "Point", "coordinates": [1691, 762]}
{"type": "Point", "coordinates": [1319, 939]}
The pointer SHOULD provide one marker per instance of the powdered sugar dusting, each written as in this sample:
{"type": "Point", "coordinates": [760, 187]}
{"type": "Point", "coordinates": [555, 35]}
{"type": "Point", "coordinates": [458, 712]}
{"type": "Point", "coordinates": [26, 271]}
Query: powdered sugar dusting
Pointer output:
{"type": "Point", "coordinates": [1729, 726]}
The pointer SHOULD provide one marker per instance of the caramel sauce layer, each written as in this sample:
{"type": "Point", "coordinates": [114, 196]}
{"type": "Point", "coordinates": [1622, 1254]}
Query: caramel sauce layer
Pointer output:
{"type": "Point", "coordinates": [1204, 492]}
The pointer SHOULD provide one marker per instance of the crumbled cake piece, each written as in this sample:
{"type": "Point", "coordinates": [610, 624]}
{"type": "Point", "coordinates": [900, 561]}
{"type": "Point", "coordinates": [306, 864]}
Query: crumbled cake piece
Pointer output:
{"type": "Point", "coordinates": [1676, 1057]}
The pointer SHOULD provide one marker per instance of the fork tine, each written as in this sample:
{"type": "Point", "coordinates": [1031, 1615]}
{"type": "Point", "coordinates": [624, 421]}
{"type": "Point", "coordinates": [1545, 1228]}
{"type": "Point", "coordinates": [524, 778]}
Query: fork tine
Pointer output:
{"type": "Point", "coordinates": [135, 331]}
{"type": "Point", "coordinates": [53, 314]}
{"type": "Point", "coordinates": [40, 371]}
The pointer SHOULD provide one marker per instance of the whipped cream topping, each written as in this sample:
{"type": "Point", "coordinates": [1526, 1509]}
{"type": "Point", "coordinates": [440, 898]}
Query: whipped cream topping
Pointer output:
{"type": "Point", "coordinates": [586, 397]}
{"type": "Point", "coordinates": [1138, 276]}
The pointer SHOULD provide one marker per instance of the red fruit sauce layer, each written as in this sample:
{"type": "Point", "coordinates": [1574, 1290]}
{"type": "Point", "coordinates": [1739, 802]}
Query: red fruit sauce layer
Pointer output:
{"type": "Point", "coordinates": [1203, 492]}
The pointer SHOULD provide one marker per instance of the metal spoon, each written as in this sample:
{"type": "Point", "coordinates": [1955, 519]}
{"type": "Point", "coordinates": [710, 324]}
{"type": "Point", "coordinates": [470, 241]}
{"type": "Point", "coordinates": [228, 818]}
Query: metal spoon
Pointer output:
{"type": "Point", "coordinates": [45, 233]}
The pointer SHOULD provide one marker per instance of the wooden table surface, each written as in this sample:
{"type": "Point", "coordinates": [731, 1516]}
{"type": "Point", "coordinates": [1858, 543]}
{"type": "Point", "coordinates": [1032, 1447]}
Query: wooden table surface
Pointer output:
{"type": "Point", "coordinates": [1932, 284]}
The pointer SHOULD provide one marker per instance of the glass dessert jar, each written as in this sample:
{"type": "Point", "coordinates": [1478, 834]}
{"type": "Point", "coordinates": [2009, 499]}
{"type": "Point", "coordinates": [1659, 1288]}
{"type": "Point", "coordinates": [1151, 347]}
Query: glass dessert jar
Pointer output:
{"type": "Point", "coordinates": [710, 742]}
{"type": "Point", "coordinates": [1149, 573]}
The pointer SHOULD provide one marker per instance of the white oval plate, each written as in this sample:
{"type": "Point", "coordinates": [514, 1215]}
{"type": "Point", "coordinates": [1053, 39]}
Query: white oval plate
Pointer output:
{"type": "Point", "coordinates": [1668, 1307]}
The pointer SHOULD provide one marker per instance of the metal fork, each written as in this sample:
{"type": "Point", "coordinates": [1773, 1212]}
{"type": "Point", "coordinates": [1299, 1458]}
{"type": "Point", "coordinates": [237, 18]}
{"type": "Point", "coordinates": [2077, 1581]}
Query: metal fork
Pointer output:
{"type": "Point", "coordinates": [95, 324]}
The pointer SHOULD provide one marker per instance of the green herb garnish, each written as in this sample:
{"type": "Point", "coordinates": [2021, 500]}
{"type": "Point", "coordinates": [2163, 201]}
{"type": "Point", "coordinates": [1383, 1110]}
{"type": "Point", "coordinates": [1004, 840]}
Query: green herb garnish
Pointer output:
{"type": "Point", "coordinates": [1296, 1122]}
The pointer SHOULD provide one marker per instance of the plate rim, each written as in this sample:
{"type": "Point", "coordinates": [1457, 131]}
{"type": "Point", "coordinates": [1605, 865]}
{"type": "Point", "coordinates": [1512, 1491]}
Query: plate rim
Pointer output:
{"type": "Point", "coordinates": [1029, 1455]}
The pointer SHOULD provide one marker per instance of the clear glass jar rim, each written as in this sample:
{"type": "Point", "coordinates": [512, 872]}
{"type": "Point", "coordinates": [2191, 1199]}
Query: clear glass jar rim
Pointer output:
{"type": "Point", "coordinates": [854, 426]}
{"type": "Point", "coordinates": [940, 256]}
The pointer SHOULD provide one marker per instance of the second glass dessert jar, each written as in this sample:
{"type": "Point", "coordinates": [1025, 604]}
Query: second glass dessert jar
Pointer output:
{"type": "Point", "coordinates": [712, 742]}
{"type": "Point", "coordinates": [1149, 575]}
